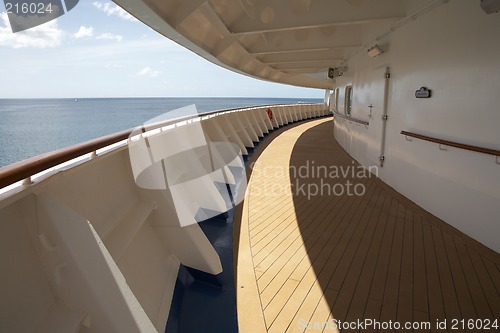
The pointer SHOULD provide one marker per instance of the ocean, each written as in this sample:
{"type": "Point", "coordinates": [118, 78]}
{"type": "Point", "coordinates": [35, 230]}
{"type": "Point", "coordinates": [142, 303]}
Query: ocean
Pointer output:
{"type": "Point", "coordinates": [30, 127]}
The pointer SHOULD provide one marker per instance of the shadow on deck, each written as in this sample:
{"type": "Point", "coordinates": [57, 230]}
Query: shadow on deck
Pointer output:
{"type": "Point", "coordinates": [338, 243]}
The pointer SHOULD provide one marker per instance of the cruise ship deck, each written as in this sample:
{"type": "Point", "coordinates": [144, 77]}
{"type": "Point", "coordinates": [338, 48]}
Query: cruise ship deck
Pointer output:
{"type": "Point", "coordinates": [309, 253]}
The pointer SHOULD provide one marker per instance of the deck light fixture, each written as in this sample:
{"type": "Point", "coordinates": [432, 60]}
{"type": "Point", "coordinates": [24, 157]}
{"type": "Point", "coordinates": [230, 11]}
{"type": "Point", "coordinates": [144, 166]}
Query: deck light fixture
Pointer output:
{"type": "Point", "coordinates": [374, 51]}
{"type": "Point", "coordinates": [336, 72]}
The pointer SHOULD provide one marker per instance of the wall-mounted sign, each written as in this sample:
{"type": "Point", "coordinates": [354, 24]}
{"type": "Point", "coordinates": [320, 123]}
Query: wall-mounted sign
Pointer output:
{"type": "Point", "coordinates": [423, 92]}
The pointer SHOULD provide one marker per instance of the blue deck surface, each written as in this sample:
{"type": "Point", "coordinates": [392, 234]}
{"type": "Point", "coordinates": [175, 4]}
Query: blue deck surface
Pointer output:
{"type": "Point", "coordinates": [203, 302]}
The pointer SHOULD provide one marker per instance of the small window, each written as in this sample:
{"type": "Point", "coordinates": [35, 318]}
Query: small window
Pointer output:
{"type": "Point", "coordinates": [348, 100]}
{"type": "Point", "coordinates": [337, 92]}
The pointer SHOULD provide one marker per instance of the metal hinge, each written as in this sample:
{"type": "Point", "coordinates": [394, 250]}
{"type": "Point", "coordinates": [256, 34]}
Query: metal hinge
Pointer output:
{"type": "Point", "coordinates": [385, 117]}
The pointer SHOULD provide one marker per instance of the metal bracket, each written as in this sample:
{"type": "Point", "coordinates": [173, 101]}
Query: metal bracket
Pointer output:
{"type": "Point", "coordinates": [441, 147]}
{"type": "Point", "coordinates": [27, 181]}
{"type": "Point", "coordinates": [382, 158]}
{"type": "Point", "coordinates": [408, 138]}
{"type": "Point", "coordinates": [385, 117]}
{"type": "Point", "coordinates": [371, 107]}
{"type": "Point", "coordinates": [387, 75]}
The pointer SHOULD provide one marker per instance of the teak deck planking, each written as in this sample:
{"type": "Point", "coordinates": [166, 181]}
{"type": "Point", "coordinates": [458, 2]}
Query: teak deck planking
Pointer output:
{"type": "Point", "coordinates": [376, 256]}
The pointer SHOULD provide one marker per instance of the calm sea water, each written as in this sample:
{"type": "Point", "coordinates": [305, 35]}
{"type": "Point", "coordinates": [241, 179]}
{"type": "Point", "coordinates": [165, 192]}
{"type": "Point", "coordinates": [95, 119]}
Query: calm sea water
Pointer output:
{"type": "Point", "coordinates": [29, 127]}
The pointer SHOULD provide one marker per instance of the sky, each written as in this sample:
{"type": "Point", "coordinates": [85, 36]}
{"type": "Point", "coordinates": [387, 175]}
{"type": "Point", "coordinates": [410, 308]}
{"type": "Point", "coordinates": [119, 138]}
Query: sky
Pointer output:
{"type": "Point", "coordinates": [99, 50]}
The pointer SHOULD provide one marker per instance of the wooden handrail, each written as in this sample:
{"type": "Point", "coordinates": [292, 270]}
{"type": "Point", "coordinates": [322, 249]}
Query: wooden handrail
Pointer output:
{"type": "Point", "coordinates": [24, 169]}
{"type": "Point", "coordinates": [21, 170]}
{"type": "Point", "coordinates": [359, 121]}
{"type": "Point", "coordinates": [452, 144]}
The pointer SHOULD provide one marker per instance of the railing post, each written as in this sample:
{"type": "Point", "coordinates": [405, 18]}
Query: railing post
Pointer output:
{"type": "Point", "coordinates": [27, 181]}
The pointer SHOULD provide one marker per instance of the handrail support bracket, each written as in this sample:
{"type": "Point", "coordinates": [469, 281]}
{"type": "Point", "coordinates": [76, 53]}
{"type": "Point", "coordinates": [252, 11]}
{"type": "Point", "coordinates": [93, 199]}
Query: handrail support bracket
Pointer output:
{"type": "Point", "coordinates": [27, 181]}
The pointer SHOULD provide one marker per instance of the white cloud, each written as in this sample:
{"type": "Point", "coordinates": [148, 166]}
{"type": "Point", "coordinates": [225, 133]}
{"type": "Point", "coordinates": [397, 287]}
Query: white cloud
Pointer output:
{"type": "Point", "coordinates": [111, 9]}
{"type": "Point", "coordinates": [148, 71]}
{"type": "Point", "coordinates": [84, 32]}
{"type": "Point", "coordinates": [42, 36]}
{"type": "Point", "coordinates": [110, 36]}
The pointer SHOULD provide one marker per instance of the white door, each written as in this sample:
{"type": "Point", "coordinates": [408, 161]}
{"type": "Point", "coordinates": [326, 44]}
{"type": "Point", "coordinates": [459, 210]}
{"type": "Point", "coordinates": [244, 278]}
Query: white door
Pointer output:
{"type": "Point", "coordinates": [376, 100]}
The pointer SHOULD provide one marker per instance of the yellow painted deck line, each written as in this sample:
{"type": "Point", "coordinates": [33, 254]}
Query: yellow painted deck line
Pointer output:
{"type": "Point", "coordinates": [250, 313]}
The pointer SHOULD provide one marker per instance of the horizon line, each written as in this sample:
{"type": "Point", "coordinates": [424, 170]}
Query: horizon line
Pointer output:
{"type": "Point", "coordinates": [136, 97]}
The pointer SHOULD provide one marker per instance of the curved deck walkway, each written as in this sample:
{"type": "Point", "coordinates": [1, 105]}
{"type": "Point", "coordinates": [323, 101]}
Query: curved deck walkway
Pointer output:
{"type": "Point", "coordinates": [308, 254]}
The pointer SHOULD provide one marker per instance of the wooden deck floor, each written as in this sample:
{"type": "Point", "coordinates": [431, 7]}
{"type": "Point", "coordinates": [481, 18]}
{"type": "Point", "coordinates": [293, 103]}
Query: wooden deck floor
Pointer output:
{"type": "Point", "coordinates": [308, 257]}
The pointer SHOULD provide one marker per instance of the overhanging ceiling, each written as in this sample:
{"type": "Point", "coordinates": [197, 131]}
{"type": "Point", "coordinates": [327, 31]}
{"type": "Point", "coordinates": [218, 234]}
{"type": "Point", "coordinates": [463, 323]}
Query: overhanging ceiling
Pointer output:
{"type": "Point", "coordinates": [287, 41]}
